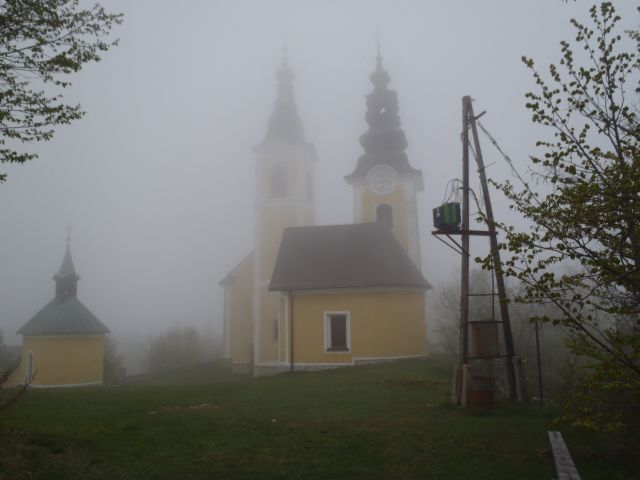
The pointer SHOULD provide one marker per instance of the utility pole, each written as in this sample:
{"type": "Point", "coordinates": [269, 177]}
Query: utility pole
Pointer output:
{"type": "Point", "coordinates": [495, 252]}
{"type": "Point", "coordinates": [460, 388]}
{"type": "Point", "coordinates": [464, 268]}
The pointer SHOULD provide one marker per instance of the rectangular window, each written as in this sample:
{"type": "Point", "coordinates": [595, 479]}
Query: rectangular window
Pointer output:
{"type": "Point", "coordinates": [337, 337]}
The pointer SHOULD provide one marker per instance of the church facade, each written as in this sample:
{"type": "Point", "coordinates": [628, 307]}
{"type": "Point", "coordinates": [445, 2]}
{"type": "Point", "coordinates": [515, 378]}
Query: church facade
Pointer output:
{"type": "Point", "coordinates": [319, 296]}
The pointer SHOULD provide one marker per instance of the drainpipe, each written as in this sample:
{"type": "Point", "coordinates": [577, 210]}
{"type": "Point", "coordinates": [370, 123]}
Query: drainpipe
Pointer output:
{"type": "Point", "coordinates": [291, 329]}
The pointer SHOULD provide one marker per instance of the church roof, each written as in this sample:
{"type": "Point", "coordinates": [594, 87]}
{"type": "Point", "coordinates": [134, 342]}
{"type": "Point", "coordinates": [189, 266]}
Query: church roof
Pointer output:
{"type": "Point", "coordinates": [385, 142]}
{"type": "Point", "coordinates": [64, 314]}
{"type": "Point", "coordinates": [285, 124]}
{"type": "Point", "coordinates": [67, 268]}
{"type": "Point", "coordinates": [364, 255]}
{"type": "Point", "coordinates": [229, 279]}
{"type": "Point", "coordinates": [69, 317]}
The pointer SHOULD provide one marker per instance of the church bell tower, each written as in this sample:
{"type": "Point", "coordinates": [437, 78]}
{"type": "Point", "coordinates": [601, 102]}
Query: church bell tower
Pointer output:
{"type": "Point", "coordinates": [384, 184]}
{"type": "Point", "coordinates": [284, 198]}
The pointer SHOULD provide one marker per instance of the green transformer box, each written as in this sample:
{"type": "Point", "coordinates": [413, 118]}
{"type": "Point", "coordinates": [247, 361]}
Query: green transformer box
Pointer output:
{"type": "Point", "coordinates": [447, 216]}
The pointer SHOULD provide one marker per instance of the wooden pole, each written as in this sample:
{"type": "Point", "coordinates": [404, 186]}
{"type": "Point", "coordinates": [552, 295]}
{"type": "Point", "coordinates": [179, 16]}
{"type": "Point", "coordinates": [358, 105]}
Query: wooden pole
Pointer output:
{"type": "Point", "coordinates": [495, 253]}
{"type": "Point", "coordinates": [464, 269]}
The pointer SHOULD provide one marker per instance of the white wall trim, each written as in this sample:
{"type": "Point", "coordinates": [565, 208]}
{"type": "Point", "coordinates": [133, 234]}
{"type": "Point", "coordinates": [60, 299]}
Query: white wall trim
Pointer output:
{"type": "Point", "coordinates": [255, 304]}
{"type": "Point", "coordinates": [86, 384]}
{"type": "Point", "coordinates": [95, 335]}
{"type": "Point", "coordinates": [412, 185]}
{"type": "Point", "coordinates": [227, 321]}
{"type": "Point", "coordinates": [354, 361]}
{"type": "Point", "coordinates": [287, 342]}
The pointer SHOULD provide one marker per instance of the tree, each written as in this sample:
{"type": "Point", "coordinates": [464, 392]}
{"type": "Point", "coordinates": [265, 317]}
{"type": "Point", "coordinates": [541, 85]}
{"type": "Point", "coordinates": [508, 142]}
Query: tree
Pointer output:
{"type": "Point", "coordinates": [177, 348]}
{"type": "Point", "coordinates": [582, 251]}
{"type": "Point", "coordinates": [8, 364]}
{"type": "Point", "coordinates": [114, 371]}
{"type": "Point", "coordinates": [5, 361]}
{"type": "Point", "coordinates": [42, 42]}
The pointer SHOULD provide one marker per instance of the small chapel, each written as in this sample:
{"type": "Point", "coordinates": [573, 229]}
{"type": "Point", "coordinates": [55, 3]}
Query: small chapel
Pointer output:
{"type": "Point", "coordinates": [63, 344]}
{"type": "Point", "coordinates": [313, 297]}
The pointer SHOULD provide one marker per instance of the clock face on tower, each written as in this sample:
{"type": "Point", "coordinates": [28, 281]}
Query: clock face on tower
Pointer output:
{"type": "Point", "coordinates": [381, 179]}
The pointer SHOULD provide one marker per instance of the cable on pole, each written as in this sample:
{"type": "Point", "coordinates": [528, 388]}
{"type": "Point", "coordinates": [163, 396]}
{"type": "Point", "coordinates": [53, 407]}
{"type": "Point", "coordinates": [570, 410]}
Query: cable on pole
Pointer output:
{"type": "Point", "coordinates": [507, 159]}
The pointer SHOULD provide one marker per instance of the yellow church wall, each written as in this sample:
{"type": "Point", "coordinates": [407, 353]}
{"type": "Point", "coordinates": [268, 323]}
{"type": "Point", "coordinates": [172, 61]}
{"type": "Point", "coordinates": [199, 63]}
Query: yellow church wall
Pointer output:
{"type": "Point", "coordinates": [282, 325]}
{"type": "Point", "coordinates": [268, 318]}
{"type": "Point", "coordinates": [273, 221]}
{"type": "Point", "coordinates": [396, 199]}
{"type": "Point", "coordinates": [62, 360]}
{"type": "Point", "coordinates": [383, 324]}
{"type": "Point", "coordinates": [241, 324]}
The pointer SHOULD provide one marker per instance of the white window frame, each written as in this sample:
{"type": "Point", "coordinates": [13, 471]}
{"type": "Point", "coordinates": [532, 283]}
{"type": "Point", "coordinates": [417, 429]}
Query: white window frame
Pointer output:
{"type": "Point", "coordinates": [327, 330]}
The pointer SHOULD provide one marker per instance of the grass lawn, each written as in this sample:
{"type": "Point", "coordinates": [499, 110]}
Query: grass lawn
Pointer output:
{"type": "Point", "coordinates": [378, 421]}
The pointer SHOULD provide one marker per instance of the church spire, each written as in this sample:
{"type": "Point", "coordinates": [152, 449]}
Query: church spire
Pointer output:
{"type": "Point", "coordinates": [285, 124]}
{"type": "Point", "coordinates": [66, 279]}
{"type": "Point", "coordinates": [385, 142]}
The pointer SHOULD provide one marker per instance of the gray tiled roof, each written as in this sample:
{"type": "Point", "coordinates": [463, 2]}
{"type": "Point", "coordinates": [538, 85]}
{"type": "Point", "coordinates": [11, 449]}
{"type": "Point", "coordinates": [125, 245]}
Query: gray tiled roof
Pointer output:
{"type": "Point", "coordinates": [69, 317]}
{"type": "Point", "coordinates": [365, 255]}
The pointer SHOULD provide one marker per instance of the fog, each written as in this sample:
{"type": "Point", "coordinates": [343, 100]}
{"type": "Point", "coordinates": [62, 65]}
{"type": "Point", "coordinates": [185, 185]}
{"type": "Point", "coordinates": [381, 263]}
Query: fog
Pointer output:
{"type": "Point", "coordinates": [157, 181]}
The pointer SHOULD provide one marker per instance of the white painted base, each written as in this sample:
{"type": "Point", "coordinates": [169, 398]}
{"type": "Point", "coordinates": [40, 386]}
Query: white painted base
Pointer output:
{"type": "Point", "coordinates": [273, 368]}
{"type": "Point", "coordinates": [87, 384]}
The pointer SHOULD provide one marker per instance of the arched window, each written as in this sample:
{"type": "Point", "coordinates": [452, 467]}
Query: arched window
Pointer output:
{"type": "Point", "coordinates": [384, 215]}
{"type": "Point", "coordinates": [278, 182]}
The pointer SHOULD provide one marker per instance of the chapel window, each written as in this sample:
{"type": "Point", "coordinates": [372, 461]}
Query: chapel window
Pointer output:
{"type": "Point", "coordinates": [337, 335]}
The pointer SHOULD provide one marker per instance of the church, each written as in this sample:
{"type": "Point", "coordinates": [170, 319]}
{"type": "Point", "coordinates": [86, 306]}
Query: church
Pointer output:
{"type": "Point", "coordinates": [312, 297]}
{"type": "Point", "coordinates": [63, 344]}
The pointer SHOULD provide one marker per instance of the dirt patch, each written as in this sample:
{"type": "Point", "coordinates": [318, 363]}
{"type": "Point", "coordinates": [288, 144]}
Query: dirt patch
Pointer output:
{"type": "Point", "coordinates": [200, 406]}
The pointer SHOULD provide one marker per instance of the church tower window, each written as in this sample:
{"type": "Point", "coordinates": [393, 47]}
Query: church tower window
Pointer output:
{"type": "Point", "coordinates": [278, 182]}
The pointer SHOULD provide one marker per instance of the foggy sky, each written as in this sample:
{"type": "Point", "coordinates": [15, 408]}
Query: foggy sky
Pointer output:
{"type": "Point", "coordinates": [157, 181]}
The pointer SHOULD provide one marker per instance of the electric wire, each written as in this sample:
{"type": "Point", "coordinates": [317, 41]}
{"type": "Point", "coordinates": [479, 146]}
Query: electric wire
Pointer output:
{"type": "Point", "coordinates": [507, 159]}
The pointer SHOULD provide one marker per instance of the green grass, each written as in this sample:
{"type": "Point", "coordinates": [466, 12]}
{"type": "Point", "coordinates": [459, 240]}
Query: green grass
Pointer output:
{"type": "Point", "coordinates": [378, 421]}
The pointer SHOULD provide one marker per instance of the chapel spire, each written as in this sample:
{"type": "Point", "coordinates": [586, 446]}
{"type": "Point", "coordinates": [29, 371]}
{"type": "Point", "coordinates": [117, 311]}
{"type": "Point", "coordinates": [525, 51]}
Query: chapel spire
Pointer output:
{"type": "Point", "coordinates": [66, 279]}
{"type": "Point", "coordinates": [285, 124]}
{"type": "Point", "coordinates": [385, 142]}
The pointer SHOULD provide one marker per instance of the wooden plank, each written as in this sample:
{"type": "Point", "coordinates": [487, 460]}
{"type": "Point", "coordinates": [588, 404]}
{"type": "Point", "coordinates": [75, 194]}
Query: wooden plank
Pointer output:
{"type": "Point", "coordinates": [563, 466]}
